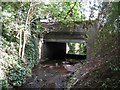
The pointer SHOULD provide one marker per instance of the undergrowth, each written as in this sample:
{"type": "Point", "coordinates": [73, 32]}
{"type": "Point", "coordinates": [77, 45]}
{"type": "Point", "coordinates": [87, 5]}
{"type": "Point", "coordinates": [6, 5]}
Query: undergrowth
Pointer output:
{"type": "Point", "coordinates": [14, 69]}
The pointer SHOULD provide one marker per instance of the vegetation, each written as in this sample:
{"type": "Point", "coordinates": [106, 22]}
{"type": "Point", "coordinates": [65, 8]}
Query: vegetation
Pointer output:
{"type": "Point", "coordinates": [103, 70]}
{"type": "Point", "coordinates": [77, 48]}
{"type": "Point", "coordinates": [21, 27]}
{"type": "Point", "coordinates": [108, 36]}
{"type": "Point", "coordinates": [19, 33]}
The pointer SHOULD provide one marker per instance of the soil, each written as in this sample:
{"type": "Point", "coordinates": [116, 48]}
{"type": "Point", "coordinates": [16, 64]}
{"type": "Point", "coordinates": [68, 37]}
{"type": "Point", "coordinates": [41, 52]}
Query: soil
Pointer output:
{"type": "Point", "coordinates": [51, 74]}
{"type": "Point", "coordinates": [64, 74]}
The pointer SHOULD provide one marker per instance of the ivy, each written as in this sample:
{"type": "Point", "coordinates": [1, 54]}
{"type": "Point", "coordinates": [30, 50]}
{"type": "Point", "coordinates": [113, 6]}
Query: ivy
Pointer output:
{"type": "Point", "coordinates": [17, 76]}
{"type": "Point", "coordinates": [4, 84]}
{"type": "Point", "coordinates": [31, 52]}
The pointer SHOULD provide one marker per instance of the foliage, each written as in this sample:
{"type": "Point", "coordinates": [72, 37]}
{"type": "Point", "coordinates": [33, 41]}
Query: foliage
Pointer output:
{"type": "Point", "coordinates": [20, 24]}
{"type": "Point", "coordinates": [113, 80]}
{"type": "Point", "coordinates": [10, 62]}
{"type": "Point", "coordinates": [108, 41]}
{"type": "Point", "coordinates": [110, 28]}
{"type": "Point", "coordinates": [8, 18]}
{"type": "Point", "coordinates": [63, 11]}
{"type": "Point", "coordinates": [32, 52]}
{"type": "Point", "coordinates": [15, 69]}
{"type": "Point", "coordinates": [103, 71]}
{"type": "Point", "coordinates": [77, 48]}
{"type": "Point", "coordinates": [111, 83]}
{"type": "Point", "coordinates": [17, 76]}
{"type": "Point", "coordinates": [5, 84]}
{"type": "Point", "coordinates": [14, 23]}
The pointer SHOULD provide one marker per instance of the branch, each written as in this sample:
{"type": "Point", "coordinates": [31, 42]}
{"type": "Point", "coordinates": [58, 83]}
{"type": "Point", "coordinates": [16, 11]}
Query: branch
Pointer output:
{"type": "Point", "coordinates": [25, 31]}
{"type": "Point", "coordinates": [20, 43]}
{"type": "Point", "coordinates": [27, 17]}
{"type": "Point", "coordinates": [70, 10]}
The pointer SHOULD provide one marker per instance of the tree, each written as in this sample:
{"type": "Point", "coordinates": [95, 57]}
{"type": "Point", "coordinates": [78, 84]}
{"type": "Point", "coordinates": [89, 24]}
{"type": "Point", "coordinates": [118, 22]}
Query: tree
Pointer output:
{"type": "Point", "coordinates": [20, 24]}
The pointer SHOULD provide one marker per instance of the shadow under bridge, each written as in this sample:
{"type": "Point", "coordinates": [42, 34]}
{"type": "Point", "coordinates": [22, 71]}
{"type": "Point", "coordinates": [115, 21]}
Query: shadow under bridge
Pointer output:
{"type": "Point", "coordinates": [55, 44]}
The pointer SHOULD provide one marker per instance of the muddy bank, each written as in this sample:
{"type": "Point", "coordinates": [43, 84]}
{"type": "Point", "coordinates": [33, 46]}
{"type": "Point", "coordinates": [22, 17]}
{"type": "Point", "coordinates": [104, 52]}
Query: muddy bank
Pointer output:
{"type": "Point", "coordinates": [51, 74]}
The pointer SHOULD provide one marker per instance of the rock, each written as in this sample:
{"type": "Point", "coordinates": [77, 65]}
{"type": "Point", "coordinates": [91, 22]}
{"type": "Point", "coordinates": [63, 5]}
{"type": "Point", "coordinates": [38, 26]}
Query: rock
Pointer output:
{"type": "Point", "coordinates": [70, 68]}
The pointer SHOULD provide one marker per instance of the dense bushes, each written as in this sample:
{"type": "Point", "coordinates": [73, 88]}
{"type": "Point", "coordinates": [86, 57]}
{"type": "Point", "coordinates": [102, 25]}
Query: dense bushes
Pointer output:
{"type": "Point", "coordinates": [17, 75]}
{"type": "Point", "coordinates": [12, 35]}
{"type": "Point", "coordinates": [31, 52]}
{"type": "Point", "coordinates": [15, 69]}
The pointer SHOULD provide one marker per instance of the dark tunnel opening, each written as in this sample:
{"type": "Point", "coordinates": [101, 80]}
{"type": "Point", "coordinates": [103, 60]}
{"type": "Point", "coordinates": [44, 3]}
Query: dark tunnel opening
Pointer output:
{"type": "Point", "coordinates": [59, 50]}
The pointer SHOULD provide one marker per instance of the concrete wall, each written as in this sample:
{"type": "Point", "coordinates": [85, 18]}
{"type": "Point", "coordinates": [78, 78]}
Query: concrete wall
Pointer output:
{"type": "Point", "coordinates": [92, 33]}
{"type": "Point", "coordinates": [57, 49]}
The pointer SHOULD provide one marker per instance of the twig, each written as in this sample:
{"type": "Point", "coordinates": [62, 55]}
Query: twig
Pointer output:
{"type": "Point", "coordinates": [20, 47]}
{"type": "Point", "coordinates": [70, 10]}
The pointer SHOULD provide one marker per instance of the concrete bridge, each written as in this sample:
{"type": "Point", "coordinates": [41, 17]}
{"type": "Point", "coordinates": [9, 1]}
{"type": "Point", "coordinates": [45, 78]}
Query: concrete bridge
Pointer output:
{"type": "Point", "coordinates": [65, 37]}
{"type": "Point", "coordinates": [54, 42]}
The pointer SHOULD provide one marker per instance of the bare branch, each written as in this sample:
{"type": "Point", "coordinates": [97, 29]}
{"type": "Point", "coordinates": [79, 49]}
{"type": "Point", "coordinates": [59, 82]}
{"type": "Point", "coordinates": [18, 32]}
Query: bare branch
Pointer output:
{"type": "Point", "coordinates": [70, 10]}
{"type": "Point", "coordinates": [25, 31]}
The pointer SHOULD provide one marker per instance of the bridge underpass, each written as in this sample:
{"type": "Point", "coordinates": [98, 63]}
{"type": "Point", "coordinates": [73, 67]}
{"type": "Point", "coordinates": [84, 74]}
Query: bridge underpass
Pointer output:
{"type": "Point", "coordinates": [55, 45]}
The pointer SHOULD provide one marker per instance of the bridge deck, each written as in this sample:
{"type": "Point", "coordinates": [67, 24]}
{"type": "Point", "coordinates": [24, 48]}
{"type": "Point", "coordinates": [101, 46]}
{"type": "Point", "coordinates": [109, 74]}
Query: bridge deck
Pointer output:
{"type": "Point", "coordinates": [64, 40]}
{"type": "Point", "coordinates": [65, 37]}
